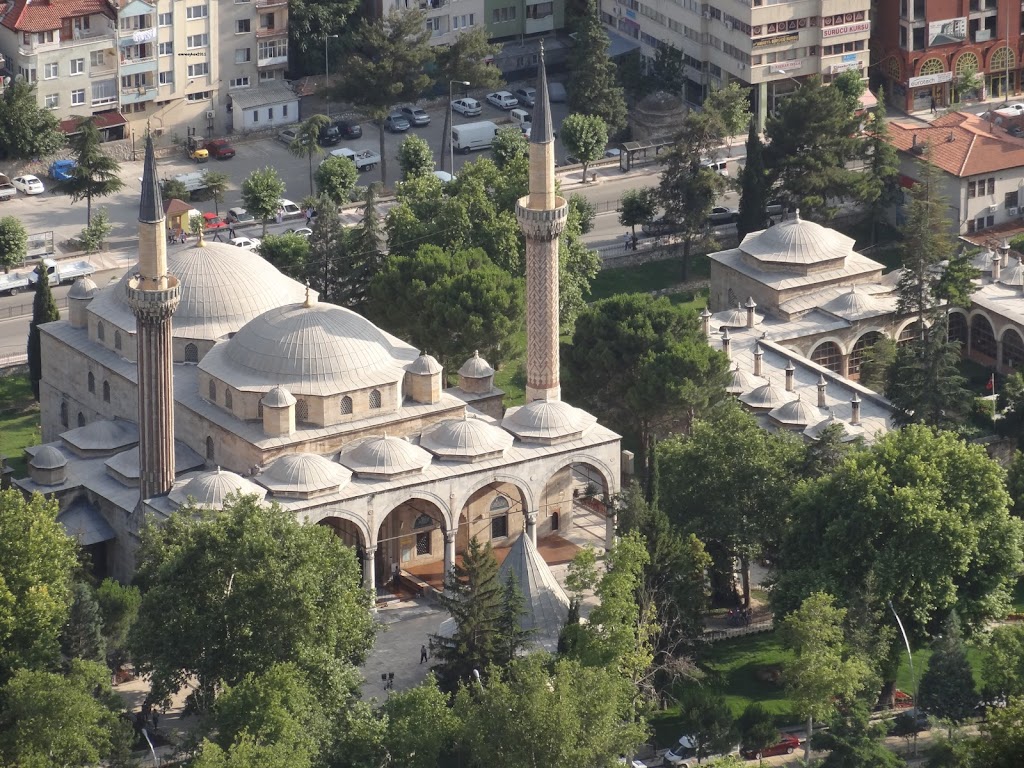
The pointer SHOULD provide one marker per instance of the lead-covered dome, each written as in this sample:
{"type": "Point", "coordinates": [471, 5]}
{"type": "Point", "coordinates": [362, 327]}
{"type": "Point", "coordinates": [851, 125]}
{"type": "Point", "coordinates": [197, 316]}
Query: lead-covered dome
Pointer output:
{"type": "Point", "coordinates": [476, 367]}
{"type": "Point", "coordinates": [798, 245]}
{"type": "Point", "coordinates": [210, 490]}
{"type": "Point", "coordinates": [547, 421]}
{"type": "Point", "coordinates": [385, 457]}
{"type": "Point", "coordinates": [278, 397]}
{"type": "Point", "coordinates": [303, 474]}
{"type": "Point", "coordinates": [740, 381]}
{"type": "Point", "coordinates": [466, 439]}
{"type": "Point", "coordinates": [48, 457]}
{"type": "Point", "coordinates": [796, 413]}
{"type": "Point", "coordinates": [855, 302]}
{"type": "Point", "coordinates": [766, 396]}
{"type": "Point", "coordinates": [83, 288]}
{"type": "Point", "coordinates": [424, 365]}
{"type": "Point", "coordinates": [315, 349]}
{"type": "Point", "coordinates": [1013, 275]}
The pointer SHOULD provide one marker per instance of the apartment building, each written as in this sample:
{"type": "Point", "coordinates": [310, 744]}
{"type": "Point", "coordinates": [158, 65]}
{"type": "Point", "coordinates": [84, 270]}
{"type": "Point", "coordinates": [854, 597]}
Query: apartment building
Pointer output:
{"type": "Point", "coordinates": [922, 46]}
{"type": "Point", "coordinates": [507, 19]}
{"type": "Point", "coordinates": [446, 19]}
{"type": "Point", "coordinates": [768, 45]}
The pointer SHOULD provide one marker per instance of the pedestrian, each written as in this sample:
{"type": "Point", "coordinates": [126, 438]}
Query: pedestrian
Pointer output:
{"type": "Point", "coordinates": [423, 653]}
{"type": "Point", "coordinates": [309, 215]}
{"type": "Point", "coordinates": [626, 241]}
{"type": "Point", "coordinates": [280, 215]}
{"type": "Point", "coordinates": [231, 232]}
{"type": "Point", "coordinates": [216, 236]}
{"type": "Point", "coordinates": [184, 237]}
{"type": "Point", "coordinates": [156, 720]}
{"type": "Point", "coordinates": [933, 105]}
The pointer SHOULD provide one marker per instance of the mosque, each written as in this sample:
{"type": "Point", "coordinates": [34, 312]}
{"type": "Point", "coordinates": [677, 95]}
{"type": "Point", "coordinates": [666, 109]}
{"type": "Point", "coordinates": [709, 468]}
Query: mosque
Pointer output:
{"type": "Point", "coordinates": [204, 372]}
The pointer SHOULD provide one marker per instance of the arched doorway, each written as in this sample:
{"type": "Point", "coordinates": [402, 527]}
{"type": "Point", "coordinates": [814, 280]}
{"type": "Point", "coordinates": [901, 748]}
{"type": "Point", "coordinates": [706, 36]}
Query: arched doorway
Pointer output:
{"type": "Point", "coordinates": [577, 504]}
{"type": "Point", "coordinates": [411, 540]}
{"type": "Point", "coordinates": [957, 329]}
{"type": "Point", "coordinates": [828, 355]}
{"type": "Point", "coordinates": [495, 513]}
{"type": "Point", "coordinates": [983, 339]}
{"type": "Point", "coordinates": [1013, 349]}
{"type": "Point", "coordinates": [864, 343]}
{"type": "Point", "coordinates": [352, 536]}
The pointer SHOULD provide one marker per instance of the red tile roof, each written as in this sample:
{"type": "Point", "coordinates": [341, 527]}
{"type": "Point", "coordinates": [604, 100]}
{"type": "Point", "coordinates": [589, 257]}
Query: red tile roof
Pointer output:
{"type": "Point", "coordinates": [101, 121]}
{"type": "Point", "coordinates": [46, 15]}
{"type": "Point", "coordinates": [962, 144]}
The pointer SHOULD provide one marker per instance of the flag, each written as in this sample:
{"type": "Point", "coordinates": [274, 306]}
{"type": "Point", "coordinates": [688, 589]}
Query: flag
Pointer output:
{"type": "Point", "coordinates": [991, 386]}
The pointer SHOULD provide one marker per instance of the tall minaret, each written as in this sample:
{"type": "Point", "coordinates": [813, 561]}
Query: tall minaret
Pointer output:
{"type": "Point", "coordinates": [542, 215]}
{"type": "Point", "coordinates": [153, 294]}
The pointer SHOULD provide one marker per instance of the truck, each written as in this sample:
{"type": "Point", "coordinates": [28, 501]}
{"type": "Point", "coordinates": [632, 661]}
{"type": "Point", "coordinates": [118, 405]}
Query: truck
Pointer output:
{"type": "Point", "coordinates": [196, 151]}
{"type": "Point", "coordinates": [60, 170]}
{"type": "Point", "coordinates": [11, 284]}
{"type": "Point", "coordinates": [364, 159]}
{"type": "Point", "coordinates": [62, 272]}
{"type": "Point", "coordinates": [470, 136]}
{"type": "Point", "coordinates": [7, 190]}
{"type": "Point", "coordinates": [194, 182]}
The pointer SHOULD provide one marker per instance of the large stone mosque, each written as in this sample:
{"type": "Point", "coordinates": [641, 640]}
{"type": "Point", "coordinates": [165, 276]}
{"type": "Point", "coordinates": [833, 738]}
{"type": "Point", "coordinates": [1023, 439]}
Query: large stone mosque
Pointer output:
{"type": "Point", "coordinates": [204, 372]}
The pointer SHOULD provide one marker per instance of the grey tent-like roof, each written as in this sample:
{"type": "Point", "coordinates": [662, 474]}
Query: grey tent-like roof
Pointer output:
{"type": "Point", "coordinates": [544, 601]}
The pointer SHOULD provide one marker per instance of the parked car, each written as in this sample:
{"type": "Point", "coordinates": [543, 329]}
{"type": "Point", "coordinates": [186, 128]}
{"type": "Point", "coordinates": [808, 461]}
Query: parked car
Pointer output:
{"type": "Point", "coordinates": [786, 745]}
{"type": "Point", "coordinates": [213, 221]}
{"type": "Point", "coordinates": [396, 123]}
{"type": "Point", "coordinates": [443, 176]}
{"type": "Point", "coordinates": [239, 216]}
{"type": "Point", "coordinates": [28, 184]}
{"type": "Point", "coordinates": [909, 722]}
{"type": "Point", "coordinates": [220, 149]}
{"type": "Point", "coordinates": [329, 135]}
{"type": "Point", "coordinates": [288, 135]}
{"type": "Point", "coordinates": [301, 231]}
{"type": "Point", "coordinates": [349, 129]}
{"type": "Point", "coordinates": [684, 754]}
{"type": "Point", "coordinates": [248, 243]}
{"type": "Point", "coordinates": [1015, 130]}
{"type": "Point", "coordinates": [775, 208]}
{"type": "Point", "coordinates": [60, 170]}
{"type": "Point", "coordinates": [659, 227]}
{"type": "Point", "coordinates": [289, 208]}
{"type": "Point", "coordinates": [722, 215]}
{"type": "Point", "coordinates": [468, 107]}
{"type": "Point", "coordinates": [527, 96]}
{"type": "Point", "coordinates": [502, 100]}
{"type": "Point", "coordinates": [415, 116]}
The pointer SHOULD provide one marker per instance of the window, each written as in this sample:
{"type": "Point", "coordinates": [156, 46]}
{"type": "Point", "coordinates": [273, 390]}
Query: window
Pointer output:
{"type": "Point", "coordinates": [101, 329]}
{"type": "Point", "coordinates": [1013, 348]}
{"type": "Point", "coordinates": [346, 405]}
{"type": "Point", "coordinates": [239, 82]}
{"type": "Point", "coordinates": [259, 410]}
{"type": "Point", "coordinates": [106, 392]}
{"type": "Point", "coordinates": [828, 355]}
{"type": "Point", "coordinates": [983, 340]}
{"type": "Point", "coordinates": [422, 543]}
{"type": "Point", "coordinates": [51, 71]}
{"type": "Point", "coordinates": [191, 353]}
{"type": "Point", "coordinates": [542, 10]}
{"type": "Point", "coordinates": [81, 419]}
{"type": "Point", "coordinates": [957, 329]}
{"type": "Point", "coordinates": [64, 413]}
{"type": "Point", "coordinates": [992, 186]}
{"type": "Point", "coordinates": [1010, 199]}
{"type": "Point", "coordinates": [77, 66]}
{"type": "Point", "coordinates": [255, 115]}
{"type": "Point", "coordinates": [197, 41]}
{"type": "Point", "coordinates": [139, 107]}
{"type": "Point", "coordinates": [166, 78]}
{"type": "Point", "coordinates": [267, 20]}
{"type": "Point", "coordinates": [227, 399]}
{"type": "Point", "coordinates": [434, 25]}
{"type": "Point", "coordinates": [864, 343]}
{"type": "Point", "coordinates": [284, 110]}
{"type": "Point", "coordinates": [375, 398]}
{"type": "Point", "coordinates": [51, 101]}
{"type": "Point", "coordinates": [209, 449]}
{"type": "Point", "coordinates": [273, 49]}
{"type": "Point", "coordinates": [166, 49]}
{"type": "Point", "coordinates": [242, 26]}
{"type": "Point", "coordinates": [117, 340]}
{"type": "Point", "coordinates": [499, 527]}
{"type": "Point", "coordinates": [266, 77]}
{"type": "Point", "coordinates": [92, 383]}
{"type": "Point", "coordinates": [165, 19]}
{"type": "Point", "coordinates": [201, 96]}
{"type": "Point", "coordinates": [270, 113]}
{"type": "Point", "coordinates": [199, 70]}
{"type": "Point", "coordinates": [972, 189]}
{"type": "Point", "coordinates": [196, 12]}
{"type": "Point", "coordinates": [301, 410]}
{"type": "Point", "coordinates": [212, 391]}
{"type": "Point", "coordinates": [243, 55]}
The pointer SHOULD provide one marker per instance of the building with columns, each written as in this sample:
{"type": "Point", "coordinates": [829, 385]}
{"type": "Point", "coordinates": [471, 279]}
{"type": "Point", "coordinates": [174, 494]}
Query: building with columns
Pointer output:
{"type": "Point", "coordinates": [251, 385]}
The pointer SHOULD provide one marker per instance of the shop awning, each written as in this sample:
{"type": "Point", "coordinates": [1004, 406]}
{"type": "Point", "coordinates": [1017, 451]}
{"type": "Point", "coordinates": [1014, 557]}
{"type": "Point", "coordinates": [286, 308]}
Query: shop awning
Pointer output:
{"type": "Point", "coordinates": [84, 522]}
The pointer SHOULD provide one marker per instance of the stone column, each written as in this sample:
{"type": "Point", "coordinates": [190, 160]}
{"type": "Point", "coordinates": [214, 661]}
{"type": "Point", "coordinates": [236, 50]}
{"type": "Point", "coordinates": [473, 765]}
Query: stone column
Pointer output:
{"type": "Point", "coordinates": [369, 571]}
{"type": "Point", "coordinates": [844, 366]}
{"type": "Point", "coordinates": [610, 522]}
{"type": "Point", "coordinates": [531, 526]}
{"type": "Point", "coordinates": [449, 551]}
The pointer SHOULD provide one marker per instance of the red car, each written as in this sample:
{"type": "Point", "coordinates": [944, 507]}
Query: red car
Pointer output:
{"type": "Point", "coordinates": [787, 745]}
{"type": "Point", "coordinates": [220, 149]}
{"type": "Point", "coordinates": [211, 221]}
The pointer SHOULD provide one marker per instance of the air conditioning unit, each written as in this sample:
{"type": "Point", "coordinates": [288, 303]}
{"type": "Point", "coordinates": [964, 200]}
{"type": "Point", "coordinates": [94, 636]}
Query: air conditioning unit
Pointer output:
{"type": "Point", "coordinates": [993, 208]}
{"type": "Point", "coordinates": [706, 14]}
{"type": "Point", "coordinates": [1012, 211]}
{"type": "Point", "coordinates": [742, 66]}
{"type": "Point", "coordinates": [210, 114]}
{"type": "Point", "coordinates": [728, 25]}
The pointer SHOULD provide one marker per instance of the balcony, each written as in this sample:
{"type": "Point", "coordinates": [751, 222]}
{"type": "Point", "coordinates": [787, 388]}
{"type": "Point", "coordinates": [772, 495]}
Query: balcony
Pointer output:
{"type": "Point", "coordinates": [270, 3]}
{"type": "Point", "coordinates": [134, 95]}
{"type": "Point", "coordinates": [265, 32]}
{"type": "Point", "coordinates": [137, 66]}
{"type": "Point", "coordinates": [272, 61]}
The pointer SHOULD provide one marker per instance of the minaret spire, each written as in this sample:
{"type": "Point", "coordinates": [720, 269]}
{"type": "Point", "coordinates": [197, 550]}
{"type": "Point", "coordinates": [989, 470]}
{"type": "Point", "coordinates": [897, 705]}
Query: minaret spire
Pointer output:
{"type": "Point", "coordinates": [542, 215]}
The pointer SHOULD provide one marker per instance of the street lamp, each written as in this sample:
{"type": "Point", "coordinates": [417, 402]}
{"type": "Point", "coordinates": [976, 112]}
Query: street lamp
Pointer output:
{"type": "Point", "coordinates": [451, 121]}
{"type": "Point", "coordinates": [327, 61]}
{"type": "Point", "coordinates": [913, 677]}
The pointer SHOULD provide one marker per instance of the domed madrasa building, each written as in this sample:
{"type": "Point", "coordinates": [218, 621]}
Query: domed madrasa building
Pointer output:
{"type": "Point", "coordinates": [204, 372]}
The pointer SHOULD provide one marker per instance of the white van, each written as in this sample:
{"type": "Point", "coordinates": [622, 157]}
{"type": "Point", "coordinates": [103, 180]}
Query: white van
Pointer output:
{"type": "Point", "coordinates": [466, 138]}
{"type": "Point", "coordinates": [719, 166]}
{"type": "Point", "coordinates": [520, 117]}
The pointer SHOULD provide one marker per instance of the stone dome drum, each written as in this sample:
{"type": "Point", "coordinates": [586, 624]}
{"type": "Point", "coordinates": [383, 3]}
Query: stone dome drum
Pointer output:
{"type": "Point", "coordinates": [466, 439]}
{"type": "Point", "coordinates": [796, 413]}
{"type": "Point", "coordinates": [853, 303]}
{"type": "Point", "coordinates": [210, 490]}
{"type": "Point", "coordinates": [797, 245]}
{"type": "Point", "coordinates": [547, 421]}
{"type": "Point", "coordinates": [303, 473]}
{"type": "Point", "coordinates": [385, 457]}
{"type": "Point", "coordinates": [766, 396]}
{"type": "Point", "coordinates": [48, 457]}
{"type": "Point", "coordinates": [83, 288]}
{"type": "Point", "coordinates": [476, 368]}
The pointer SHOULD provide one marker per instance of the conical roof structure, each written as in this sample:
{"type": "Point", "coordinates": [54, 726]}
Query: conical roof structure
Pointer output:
{"type": "Point", "coordinates": [544, 601]}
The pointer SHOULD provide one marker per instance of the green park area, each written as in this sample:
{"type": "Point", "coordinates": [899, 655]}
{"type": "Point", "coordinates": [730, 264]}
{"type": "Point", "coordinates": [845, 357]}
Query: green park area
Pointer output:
{"type": "Point", "coordinates": [19, 420]}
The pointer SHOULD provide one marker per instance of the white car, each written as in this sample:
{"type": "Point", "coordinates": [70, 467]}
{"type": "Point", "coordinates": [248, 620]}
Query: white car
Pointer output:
{"type": "Point", "coordinates": [288, 207]}
{"type": "Point", "coordinates": [502, 100]}
{"type": "Point", "coordinates": [684, 754]}
{"type": "Point", "coordinates": [28, 184]}
{"type": "Point", "coordinates": [467, 107]}
{"type": "Point", "coordinates": [301, 232]}
{"type": "Point", "coordinates": [249, 243]}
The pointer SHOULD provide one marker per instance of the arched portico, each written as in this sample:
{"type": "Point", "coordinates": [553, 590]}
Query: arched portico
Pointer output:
{"type": "Point", "coordinates": [415, 532]}
{"type": "Point", "coordinates": [580, 481]}
{"type": "Point", "coordinates": [353, 535]}
{"type": "Point", "coordinates": [497, 512]}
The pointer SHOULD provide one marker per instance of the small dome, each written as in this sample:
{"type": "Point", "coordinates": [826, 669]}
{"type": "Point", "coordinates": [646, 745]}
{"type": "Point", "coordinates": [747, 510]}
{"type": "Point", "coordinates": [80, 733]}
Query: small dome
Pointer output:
{"type": "Point", "coordinates": [797, 241]}
{"type": "Point", "coordinates": [465, 439]}
{"type": "Point", "coordinates": [1013, 275]}
{"type": "Point", "coordinates": [766, 396]}
{"type": "Point", "coordinates": [476, 367]}
{"type": "Point", "coordinates": [796, 413]}
{"type": "Point", "coordinates": [304, 473]}
{"type": "Point", "coordinates": [278, 397]}
{"type": "Point", "coordinates": [730, 318]}
{"type": "Point", "coordinates": [84, 288]}
{"type": "Point", "coordinates": [385, 457]}
{"type": "Point", "coordinates": [48, 457]}
{"type": "Point", "coordinates": [982, 260]}
{"type": "Point", "coordinates": [853, 303]}
{"type": "Point", "coordinates": [424, 365]}
{"type": "Point", "coordinates": [210, 490]}
{"type": "Point", "coordinates": [546, 420]}
{"type": "Point", "coordinates": [742, 381]}
{"type": "Point", "coordinates": [814, 431]}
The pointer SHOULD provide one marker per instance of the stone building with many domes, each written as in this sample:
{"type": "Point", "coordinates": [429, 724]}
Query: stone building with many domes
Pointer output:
{"type": "Point", "coordinates": [268, 391]}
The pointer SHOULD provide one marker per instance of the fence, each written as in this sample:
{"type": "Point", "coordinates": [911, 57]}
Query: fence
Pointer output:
{"type": "Point", "coordinates": [13, 360]}
{"type": "Point", "coordinates": [25, 308]}
{"type": "Point", "coordinates": [714, 635]}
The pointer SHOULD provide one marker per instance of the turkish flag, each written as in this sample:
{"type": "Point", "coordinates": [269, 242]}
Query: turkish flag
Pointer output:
{"type": "Point", "coordinates": [991, 383]}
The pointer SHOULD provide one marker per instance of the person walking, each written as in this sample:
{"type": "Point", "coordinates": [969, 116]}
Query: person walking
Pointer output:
{"type": "Point", "coordinates": [309, 216]}
{"type": "Point", "coordinates": [279, 217]}
{"type": "Point", "coordinates": [231, 233]}
{"type": "Point", "coordinates": [933, 105]}
{"type": "Point", "coordinates": [625, 241]}
{"type": "Point", "coordinates": [423, 653]}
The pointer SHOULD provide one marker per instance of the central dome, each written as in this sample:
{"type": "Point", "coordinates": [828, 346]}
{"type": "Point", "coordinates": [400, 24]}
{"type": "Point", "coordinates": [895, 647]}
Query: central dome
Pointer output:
{"type": "Point", "coordinates": [797, 243]}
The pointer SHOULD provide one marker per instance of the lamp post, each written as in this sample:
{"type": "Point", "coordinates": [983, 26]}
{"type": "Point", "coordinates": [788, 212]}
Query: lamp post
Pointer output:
{"type": "Point", "coordinates": [327, 61]}
{"type": "Point", "coordinates": [451, 121]}
{"type": "Point", "coordinates": [913, 677]}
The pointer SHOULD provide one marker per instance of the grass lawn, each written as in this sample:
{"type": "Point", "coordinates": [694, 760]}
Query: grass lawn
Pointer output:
{"type": "Point", "coordinates": [644, 278]}
{"type": "Point", "coordinates": [19, 421]}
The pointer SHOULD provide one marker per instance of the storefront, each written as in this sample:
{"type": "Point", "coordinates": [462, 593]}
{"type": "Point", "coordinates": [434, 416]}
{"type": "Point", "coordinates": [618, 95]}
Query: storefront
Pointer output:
{"type": "Point", "coordinates": [929, 90]}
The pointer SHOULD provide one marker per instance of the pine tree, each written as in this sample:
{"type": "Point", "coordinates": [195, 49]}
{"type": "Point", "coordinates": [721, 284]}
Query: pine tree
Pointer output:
{"type": "Point", "coordinates": [95, 173]}
{"type": "Point", "coordinates": [594, 86]}
{"type": "Point", "coordinates": [44, 310]}
{"type": "Point", "coordinates": [879, 187]}
{"type": "Point", "coordinates": [512, 637]}
{"type": "Point", "coordinates": [753, 187]}
{"type": "Point", "coordinates": [82, 637]}
{"type": "Point", "coordinates": [925, 383]}
{"type": "Point", "coordinates": [327, 265]}
{"type": "Point", "coordinates": [947, 687]}
{"type": "Point", "coordinates": [366, 245]}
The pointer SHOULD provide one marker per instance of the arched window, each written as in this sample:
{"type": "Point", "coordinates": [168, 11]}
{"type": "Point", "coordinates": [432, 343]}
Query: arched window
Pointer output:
{"type": "Point", "coordinates": [301, 410]}
{"type": "Point", "coordinates": [101, 331]}
{"type": "Point", "coordinates": [828, 355]}
{"type": "Point", "coordinates": [209, 449]}
{"type": "Point", "coordinates": [191, 353]}
{"type": "Point", "coordinates": [213, 391]}
{"type": "Point", "coordinates": [864, 343]}
{"type": "Point", "coordinates": [1001, 60]}
{"type": "Point", "coordinates": [908, 334]}
{"type": "Point", "coordinates": [92, 383]}
{"type": "Point", "coordinates": [423, 521]}
{"type": "Point", "coordinates": [106, 392]}
{"type": "Point", "coordinates": [227, 399]}
{"type": "Point", "coordinates": [259, 410]}
{"type": "Point", "coordinates": [1013, 348]}
{"type": "Point", "coordinates": [893, 69]}
{"type": "Point", "coordinates": [983, 341]}
{"type": "Point", "coordinates": [81, 419]}
{"type": "Point", "coordinates": [957, 328]}
{"type": "Point", "coordinates": [346, 405]}
{"type": "Point", "coordinates": [967, 65]}
{"type": "Point", "coordinates": [64, 413]}
{"type": "Point", "coordinates": [499, 517]}
{"type": "Point", "coordinates": [375, 398]}
{"type": "Point", "coordinates": [554, 521]}
{"type": "Point", "coordinates": [117, 340]}
{"type": "Point", "coordinates": [933, 67]}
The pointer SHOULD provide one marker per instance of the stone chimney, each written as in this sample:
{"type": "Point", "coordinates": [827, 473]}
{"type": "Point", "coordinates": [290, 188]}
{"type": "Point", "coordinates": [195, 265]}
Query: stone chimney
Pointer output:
{"type": "Point", "coordinates": [790, 376]}
{"type": "Point", "coordinates": [822, 386]}
{"type": "Point", "coordinates": [758, 360]}
{"type": "Point", "coordinates": [750, 306]}
{"type": "Point", "coordinates": [726, 343]}
{"type": "Point", "coordinates": [855, 410]}
{"type": "Point", "coordinates": [997, 263]}
{"type": "Point", "coordinates": [705, 321]}
{"type": "Point", "coordinates": [1004, 249]}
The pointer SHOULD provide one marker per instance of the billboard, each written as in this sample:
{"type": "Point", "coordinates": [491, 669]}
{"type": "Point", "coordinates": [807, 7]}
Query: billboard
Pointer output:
{"type": "Point", "coordinates": [947, 31]}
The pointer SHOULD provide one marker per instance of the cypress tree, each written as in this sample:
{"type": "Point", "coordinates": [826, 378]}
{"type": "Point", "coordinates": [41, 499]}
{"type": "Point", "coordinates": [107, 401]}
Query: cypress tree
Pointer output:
{"type": "Point", "coordinates": [44, 310]}
{"type": "Point", "coordinates": [753, 187]}
{"type": "Point", "coordinates": [512, 636]}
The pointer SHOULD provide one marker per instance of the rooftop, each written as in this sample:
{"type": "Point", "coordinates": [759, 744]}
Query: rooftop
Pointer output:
{"type": "Point", "coordinates": [46, 15]}
{"type": "Point", "coordinates": [962, 144]}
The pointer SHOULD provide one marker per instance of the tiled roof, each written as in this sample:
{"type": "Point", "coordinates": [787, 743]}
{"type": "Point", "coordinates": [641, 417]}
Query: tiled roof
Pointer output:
{"type": "Point", "coordinates": [961, 144]}
{"type": "Point", "coordinates": [46, 15]}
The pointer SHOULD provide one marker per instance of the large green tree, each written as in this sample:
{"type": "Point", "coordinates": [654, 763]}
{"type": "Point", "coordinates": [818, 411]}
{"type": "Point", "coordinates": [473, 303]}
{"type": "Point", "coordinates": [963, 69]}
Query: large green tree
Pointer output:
{"type": "Point", "coordinates": [306, 143]}
{"type": "Point", "coordinates": [312, 25]}
{"type": "Point", "coordinates": [880, 187]}
{"type": "Point", "coordinates": [854, 741]}
{"type": "Point", "coordinates": [586, 137]}
{"type": "Point", "coordinates": [44, 310]}
{"type": "Point", "coordinates": [638, 206]}
{"type": "Point", "coordinates": [947, 687]}
{"type": "Point", "coordinates": [13, 242]}
{"type": "Point", "coordinates": [421, 726]}
{"type": "Point", "coordinates": [248, 587]}
{"type": "Point", "coordinates": [217, 184]}
{"type": "Point", "coordinates": [119, 607]}
{"type": "Point", "coordinates": [83, 634]}
{"type": "Point", "coordinates": [335, 179]}
{"type": "Point", "coordinates": [261, 191]}
{"type": "Point", "coordinates": [754, 187]}
{"type": "Point", "coordinates": [415, 157]}
{"type": "Point", "coordinates": [732, 106]}
{"type": "Point", "coordinates": [1002, 667]}
{"type": "Point", "coordinates": [757, 729]}
{"type": "Point", "coordinates": [95, 173]}
{"type": "Point", "coordinates": [594, 87]}
{"type": "Point", "coordinates": [706, 718]}
{"type": "Point", "coordinates": [26, 129]}
{"type": "Point", "coordinates": [288, 252]}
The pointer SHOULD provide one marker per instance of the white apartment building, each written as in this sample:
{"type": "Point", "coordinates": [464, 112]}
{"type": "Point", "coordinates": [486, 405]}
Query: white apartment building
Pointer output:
{"type": "Point", "coordinates": [446, 19]}
{"type": "Point", "coordinates": [767, 45]}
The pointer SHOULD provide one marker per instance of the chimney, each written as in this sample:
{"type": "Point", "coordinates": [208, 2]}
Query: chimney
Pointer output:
{"type": "Point", "coordinates": [855, 410]}
{"type": "Point", "coordinates": [997, 263]}
{"type": "Point", "coordinates": [751, 306]}
{"type": "Point", "coordinates": [1004, 249]}
{"type": "Point", "coordinates": [705, 321]}
{"type": "Point", "coordinates": [758, 360]}
{"type": "Point", "coordinates": [822, 386]}
{"type": "Point", "coordinates": [790, 377]}
{"type": "Point", "coordinates": [726, 343]}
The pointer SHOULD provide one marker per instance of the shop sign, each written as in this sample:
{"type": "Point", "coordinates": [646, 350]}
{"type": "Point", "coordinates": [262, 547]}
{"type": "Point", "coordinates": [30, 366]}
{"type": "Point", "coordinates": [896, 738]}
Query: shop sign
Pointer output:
{"type": "Point", "coordinates": [849, 57]}
{"type": "Point", "coordinates": [846, 29]}
{"type": "Point", "coordinates": [776, 40]}
{"type": "Point", "coordinates": [837, 68]}
{"type": "Point", "coordinates": [923, 80]}
{"type": "Point", "coordinates": [947, 31]}
{"type": "Point", "coordinates": [787, 66]}
{"type": "Point", "coordinates": [630, 14]}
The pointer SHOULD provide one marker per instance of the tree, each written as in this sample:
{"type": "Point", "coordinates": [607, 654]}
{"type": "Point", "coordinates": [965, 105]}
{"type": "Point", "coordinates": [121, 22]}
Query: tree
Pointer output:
{"type": "Point", "coordinates": [757, 729]}
{"type": "Point", "coordinates": [386, 64]}
{"type": "Point", "coordinates": [1002, 737]}
{"type": "Point", "coordinates": [247, 752]}
{"type": "Point", "coordinates": [366, 243]}
{"type": "Point", "coordinates": [880, 187]}
{"type": "Point", "coordinates": [947, 688]}
{"type": "Point", "coordinates": [668, 72]}
{"type": "Point", "coordinates": [307, 142]}
{"type": "Point", "coordinates": [583, 210]}
{"type": "Point", "coordinates": [26, 129]}
{"type": "Point", "coordinates": [732, 105]}
{"type": "Point", "coordinates": [415, 157]}
{"type": "Point", "coordinates": [216, 187]}
{"type": "Point", "coordinates": [95, 173]}
{"type": "Point", "coordinates": [335, 179]}
{"type": "Point", "coordinates": [593, 81]}
{"type": "Point", "coordinates": [706, 719]}
{"type": "Point", "coordinates": [94, 236]}
{"type": "Point", "coordinates": [1003, 664]}
{"type": "Point", "coordinates": [13, 242]}
{"type": "Point", "coordinates": [82, 637]}
{"type": "Point", "coordinates": [511, 636]}
{"type": "Point", "coordinates": [248, 587]}
{"type": "Point", "coordinates": [44, 310]}
{"type": "Point", "coordinates": [449, 303]}
{"type": "Point", "coordinates": [119, 607]}
{"type": "Point", "coordinates": [261, 191]}
{"type": "Point", "coordinates": [196, 225]}
{"type": "Point", "coordinates": [854, 741]}
{"type": "Point", "coordinates": [877, 363]}
{"type": "Point", "coordinates": [753, 187]}
{"type": "Point", "coordinates": [288, 252]}
{"type": "Point", "coordinates": [824, 672]}
{"type": "Point", "coordinates": [172, 189]}
{"type": "Point", "coordinates": [638, 206]}
{"type": "Point", "coordinates": [586, 137]}
{"type": "Point", "coordinates": [421, 726]}
{"type": "Point", "coordinates": [645, 365]}
{"type": "Point", "coordinates": [509, 147]}
{"type": "Point", "coordinates": [689, 188]}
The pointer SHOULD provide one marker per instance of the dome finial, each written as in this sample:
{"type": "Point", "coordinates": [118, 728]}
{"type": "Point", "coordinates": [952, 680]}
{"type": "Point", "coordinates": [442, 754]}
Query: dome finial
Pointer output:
{"type": "Point", "coordinates": [796, 215]}
{"type": "Point", "coordinates": [309, 301]}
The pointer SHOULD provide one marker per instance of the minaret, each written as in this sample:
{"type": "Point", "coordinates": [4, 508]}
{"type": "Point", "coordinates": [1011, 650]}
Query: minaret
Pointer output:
{"type": "Point", "coordinates": [542, 215]}
{"type": "Point", "coordinates": [153, 295]}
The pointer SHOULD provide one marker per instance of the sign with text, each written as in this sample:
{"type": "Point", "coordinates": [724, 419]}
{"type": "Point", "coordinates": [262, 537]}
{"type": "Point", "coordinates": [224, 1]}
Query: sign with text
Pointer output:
{"type": "Point", "coordinates": [947, 31]}
{"type": "Point", "coordinates": [860, 27]}
{"type": "Point", "coordinates": [845, 67]}
{"type": "Point", "coordinates": [776, 40]}
{"type": "Point", "coordinates": [925, 80]}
